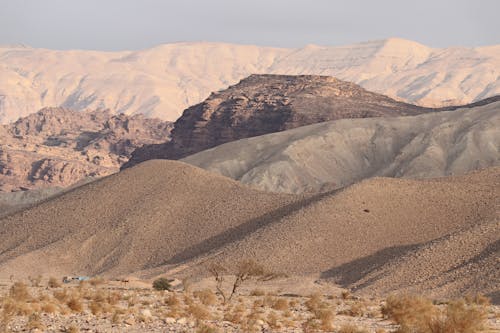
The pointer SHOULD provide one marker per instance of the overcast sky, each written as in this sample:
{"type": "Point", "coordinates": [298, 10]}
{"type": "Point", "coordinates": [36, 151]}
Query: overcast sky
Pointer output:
{"type": "Point", "coordinates": [138, 24]}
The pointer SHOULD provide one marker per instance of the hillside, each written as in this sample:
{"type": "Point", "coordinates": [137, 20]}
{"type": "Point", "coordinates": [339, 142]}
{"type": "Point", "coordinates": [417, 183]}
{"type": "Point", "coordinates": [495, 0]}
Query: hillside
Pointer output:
{"type": "Point", "coordinates": [166, 79]}
{"type": "Point", "coordinates": [59, 147]}
{"type": "Point", "coordinates": [339, 153]}
{"type": "Point", "coordinates": [262, 104]}
{"type": "Point", "coordinates": [166, 215]}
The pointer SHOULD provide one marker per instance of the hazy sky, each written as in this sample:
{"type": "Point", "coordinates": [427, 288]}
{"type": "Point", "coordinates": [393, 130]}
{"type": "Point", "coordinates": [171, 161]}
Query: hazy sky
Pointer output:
{"type": "Point", "coordinates": [137, 24]}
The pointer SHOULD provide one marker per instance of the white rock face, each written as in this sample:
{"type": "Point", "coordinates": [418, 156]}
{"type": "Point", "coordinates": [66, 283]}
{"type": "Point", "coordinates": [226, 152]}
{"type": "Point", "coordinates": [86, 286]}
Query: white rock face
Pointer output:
{"type": "Point", "coordinates": [164, 80]}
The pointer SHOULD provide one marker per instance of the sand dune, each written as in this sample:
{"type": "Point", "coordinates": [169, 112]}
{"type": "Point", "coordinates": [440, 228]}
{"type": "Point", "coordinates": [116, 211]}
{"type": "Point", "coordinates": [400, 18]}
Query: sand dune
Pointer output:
{"type": "Point", "coordinates": [339, 153]}
{"type": "Point", "coordinates": [166, 79]}
{"type": "Point", "coordinates": [168, 216]}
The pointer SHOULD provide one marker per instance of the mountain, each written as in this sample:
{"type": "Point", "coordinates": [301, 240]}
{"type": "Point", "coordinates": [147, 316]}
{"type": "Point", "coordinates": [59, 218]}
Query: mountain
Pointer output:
{"type": "Point", "coordinates": [59, 147]}
{"type": "Point", "coordinates": [164, 80]}
{"type": "Point", "coordinates": [339, 153]}
{"type": "Point", "coordinates": [265, 103]}
{"type": "Point", "coordinates": [167, 217]}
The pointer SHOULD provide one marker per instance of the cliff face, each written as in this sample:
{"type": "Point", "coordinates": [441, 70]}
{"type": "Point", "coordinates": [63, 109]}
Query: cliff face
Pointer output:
{"type": "Point", "coordinates": [262, 104]}
{"type": "Point", "coordinates": [59, 147]}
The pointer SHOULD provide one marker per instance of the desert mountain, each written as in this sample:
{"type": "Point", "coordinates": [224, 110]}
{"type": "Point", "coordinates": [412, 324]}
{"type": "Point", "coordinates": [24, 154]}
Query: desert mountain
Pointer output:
{"type": "Point", "coordinates": [164, 80]}
{"type": "Point", "coordinates": [166, 215]}
{"type": "Point", "coordinates": [339, 153]}
{"type": "Point", "coordinates": [59, 147]}
{"type": "Point", "coordinates": [262, 104]}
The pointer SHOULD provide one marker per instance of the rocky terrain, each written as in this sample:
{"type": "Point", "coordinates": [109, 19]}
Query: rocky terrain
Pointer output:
{"type": "Point", "coordinates": [56, 147]}
{"type": "Point", "coordinates": [167, 217]}
{"type": "Point", "coordinates": [335, 154]}
{"type": "Point", "coordinates": [166, 79]}
{"type": "Point", "coordinates": [262, 104]}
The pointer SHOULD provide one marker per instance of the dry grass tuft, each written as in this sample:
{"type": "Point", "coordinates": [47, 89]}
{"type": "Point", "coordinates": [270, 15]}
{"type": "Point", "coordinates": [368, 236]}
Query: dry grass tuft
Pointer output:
{"type": "Point", "coordinates": [418, 315]}
{"type": "Point", "coordinates": [281, 304]}
{"type": "Point", "coordinates": [257, 292]}
{"type": "Point", "coordinates": [351, 328]}
{"type": "Point", "coordinates": [53, 283]}
{"type": "Point", "coordinates": [19, 292]}
{"type": "Point", "coordinates": [35, 322]}
{"type": "Point", "coordinates": [75, 304]}
{"type": "Point", "coordinates": [199, 311]}
{"type": "Point", "coordinates": [206, 296]}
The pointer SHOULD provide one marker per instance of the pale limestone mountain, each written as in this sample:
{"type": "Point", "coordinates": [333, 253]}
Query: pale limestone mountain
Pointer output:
{"type": "Point", "coordinates": [164, 80]}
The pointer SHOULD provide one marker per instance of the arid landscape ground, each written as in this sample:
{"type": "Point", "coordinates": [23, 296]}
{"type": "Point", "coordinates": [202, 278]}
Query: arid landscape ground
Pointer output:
{"type": "Point", "coordinates": [214, 187]}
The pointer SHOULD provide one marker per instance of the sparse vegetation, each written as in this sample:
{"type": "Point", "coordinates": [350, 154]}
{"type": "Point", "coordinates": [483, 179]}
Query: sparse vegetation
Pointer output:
{"type": "Point", "coordinates": [162, 284]}
{"type": "Point", "coordinates": [202, 311]}
{"type": "Point", "coordinates": [416, 314]}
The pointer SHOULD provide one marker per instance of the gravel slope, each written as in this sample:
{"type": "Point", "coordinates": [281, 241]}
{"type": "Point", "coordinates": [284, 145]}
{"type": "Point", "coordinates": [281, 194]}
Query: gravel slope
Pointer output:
{"type": "Point", "coordinates": [339, 153]}
{"type": "Point", "coordinates": [168, 216]}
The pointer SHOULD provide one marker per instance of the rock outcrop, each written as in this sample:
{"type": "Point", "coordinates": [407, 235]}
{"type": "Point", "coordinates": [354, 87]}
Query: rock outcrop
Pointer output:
{"type": "Point", "coordinates": [262, 104]}
{"type": "Point", "coordinates": [59, 147]}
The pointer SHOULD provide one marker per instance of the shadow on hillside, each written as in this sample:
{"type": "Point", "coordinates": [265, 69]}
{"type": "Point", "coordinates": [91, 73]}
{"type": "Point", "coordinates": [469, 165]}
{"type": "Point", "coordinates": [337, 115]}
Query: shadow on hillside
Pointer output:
{"type": "Point", "coordinates": [353, 271]}
{"type": "Point", "coordinates": [241, 231]}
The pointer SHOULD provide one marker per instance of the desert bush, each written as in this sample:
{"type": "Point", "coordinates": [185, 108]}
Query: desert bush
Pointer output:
{"type": "Point", "coordinates": [9, 309]}
{"type": "Point", "coordinates": [410, 312]}
{"type": "Point", "coordinates": [459, 317]}
{"type": "Point", "coordinates": [19, 292]}
{"type": "Point", "coordinates": [35, 322]}
{"type": "Point", "coordinates": [206, 296]}
{"type": "Point", "coordinates": [257, 292]}
{"type": "Point", "coordinates": [418, 315]}
{"type": "Point", "coordinates": [245, 270]}
{"type": "Point", "coordinates": [346, 294]}
{"type": "Point", "coordinates": [162, 284]}
{"type": "Point", "coordinates": [356, 309]}
{"type": "Point", "coordinates": [281, 304]}
{"type": "Point", "coordinates": [49, 307]}
{"type": "Point", "coordinates": [326, 317]}
{"type": "Point", "coordinates": [351, 328]}
{"type": "Point", "coordinates": [35, 281]}
{"type": "Point", "coordinates": [61, 295]}
{"type": "Point", "coordinates": [95, 281]}
{"type": "Point", "coordinates": [53, 282]}
{"type": "Point", "coordinates": [272, 320]}
{"type": "Point", "coordinates": [199, 311]}
{"type": "Point", "coordinates": [203, 328]}
{"type": "Point", "coordinates": [75, 304]}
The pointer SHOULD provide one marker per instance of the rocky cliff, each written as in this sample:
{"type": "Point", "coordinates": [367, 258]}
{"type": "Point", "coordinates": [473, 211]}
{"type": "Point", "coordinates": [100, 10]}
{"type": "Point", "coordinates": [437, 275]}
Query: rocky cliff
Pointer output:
{"type": "Point", "coordinates": [262, 104]}
{"type": "Point", "coordinates": [59, 147]}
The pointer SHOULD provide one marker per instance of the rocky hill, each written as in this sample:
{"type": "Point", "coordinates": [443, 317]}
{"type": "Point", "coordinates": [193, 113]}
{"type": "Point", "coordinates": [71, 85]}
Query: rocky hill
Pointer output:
{"type": "Point", "coordinates": [59, 147]}
{"type": "Point", "coordinates": [166, 79]}
{"type": "Point", "coordinates": [262, 104]}
{"type": "Point", "coordinates": [172, 219]}
{"type": "Point", "coordinates": [336, 154]}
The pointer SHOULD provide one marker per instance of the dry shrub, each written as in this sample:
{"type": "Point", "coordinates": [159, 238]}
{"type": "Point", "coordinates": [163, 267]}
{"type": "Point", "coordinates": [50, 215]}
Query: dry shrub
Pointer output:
{"type": "Point", "coordinates": [113, 297]}
{"type": "Point", "coordinates": [35, 322]}
{"type": "Point", "coordinates": [61, 295]}
{"type": "Point", "coordinates": [53, 283]}
{"type": "Point", "coordinates": [478, 299]}
{"type": "Point", "coordinates": [72, 329]}
{"type": "Point", "coordinates": [96, 281]}
{"type": "Point", "coordinates": [272, 320]}
{"type": "Point", "coordinates": [199, 311]}
{"type": "Point", "coordinates": [172, 300]}
{"type": "Point", "coordinates": [346, 294]}
{"type": "Point", "coordinates": [9, 309]}
{"type": "Point", "coordinates": [357, 309]}
{"type": "Point", "coordinates": [410, 312]}
{"type": "Point", "coordinates": [351, 328]}
{"type": "Point", "coordinates": [257, 292]}
{"type": "Point", "coordinates": [459, 317]}
{"type": "Point", "coordinates": [49, 307]}
{"type": "Point", "coordinates": [206, 296]}
{"type": "Point", "coordinates": [203, 328]}
{"type": "Point", "coordinates": [281, 304]}
{"type": "Point", "coordinates": [418, 315]}
{"type": "Point", "coordinates": [35, 281]}
{"type": "Point", "coordinates": [235, 315]}
{"type": "Point", "coordinates": [326, 317]}
{"type": "Point", "coordinates": [19, 292]}
{"type": "Point", "coordinates": [75, 304]}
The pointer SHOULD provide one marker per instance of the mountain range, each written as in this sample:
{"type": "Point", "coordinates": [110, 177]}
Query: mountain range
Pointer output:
{"type": "Point", "coordinates": [166, 79]}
